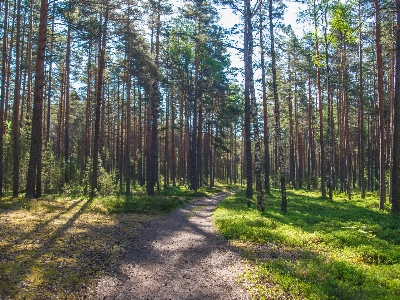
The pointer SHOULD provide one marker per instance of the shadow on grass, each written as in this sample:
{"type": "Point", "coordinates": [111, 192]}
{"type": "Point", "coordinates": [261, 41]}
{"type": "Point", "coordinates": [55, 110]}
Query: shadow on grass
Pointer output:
{"type": "Point", "coordinates": [353, 249]}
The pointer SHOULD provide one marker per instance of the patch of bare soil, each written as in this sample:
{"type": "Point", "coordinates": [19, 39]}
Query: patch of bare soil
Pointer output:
{"type": "Point", "coordinates": [177, 257]}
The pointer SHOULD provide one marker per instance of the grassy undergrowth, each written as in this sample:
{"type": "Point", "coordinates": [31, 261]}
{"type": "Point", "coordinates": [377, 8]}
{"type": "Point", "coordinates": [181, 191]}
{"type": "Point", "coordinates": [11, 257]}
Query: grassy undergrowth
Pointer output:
{"type": "Point", "coordinates": [53, 248]}
{"type": "Point", "coordinates": [163, 202]}
{"type": "Point", "coordinates": [319, 249]}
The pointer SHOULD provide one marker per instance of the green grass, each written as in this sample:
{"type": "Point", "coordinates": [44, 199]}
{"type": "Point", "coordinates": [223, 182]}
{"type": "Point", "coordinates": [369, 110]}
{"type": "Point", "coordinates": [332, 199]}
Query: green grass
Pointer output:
{"type": "Point", "coordinates": [319, 249]}
{"type": "Point", "coordinates": [163, 202]}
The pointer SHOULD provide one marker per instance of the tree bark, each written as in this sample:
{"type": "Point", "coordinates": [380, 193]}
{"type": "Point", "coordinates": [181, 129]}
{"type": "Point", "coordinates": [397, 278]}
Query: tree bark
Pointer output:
{"type": "Point", "coordinates": [257, 143]}
{"type": "Point", "coordinates": [247, 102]}
{"type": "Point", "coordinates": [152, 165]}
{"type": "Point", "coordinates": [379, 64]}
{"type": "Point", "coordinates": [320, 109]}
{"type": "Point", "coordinates": [330, 132]}
{"type": "Point", "coordinates": [277, 111]}
{"type": "Point", "coordinates": [361, 115]}
{"type": "Point", "coordinates": [50, 88]}
{"type": "Point", "coordinates": [16, 106]}
{"type": "Point", "coordinates": [99, 103]}
{"type": "Point", "coordinates": [3, 92]}
{"type": "Point", "coordinates": [33, 185]}
{"type": "Point", "coordinates": [128, 124]}
{"type": "Point", "coordinates": [267, 166]}
{"type": "Point", "coordinates": [67, 108]}
{"type": "Point", "coordinates": [396, 123]}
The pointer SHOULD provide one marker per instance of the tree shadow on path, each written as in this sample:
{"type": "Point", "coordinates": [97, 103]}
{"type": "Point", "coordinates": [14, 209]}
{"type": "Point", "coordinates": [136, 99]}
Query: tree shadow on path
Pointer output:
{"type": "Point", "coordinates": [178, 257]}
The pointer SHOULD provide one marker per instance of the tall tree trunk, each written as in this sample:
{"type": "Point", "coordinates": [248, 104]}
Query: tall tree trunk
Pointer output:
{"type": "Point", "coordinates": [277, 111]}
{"type": "Point", "coordinates": [67, 107]}
{"type": "Point", "coordinates": [320, 109]}
{"type": "Point", "coordinates": [247, 101]}
{"type": "Point", "coordinates": [16, 105]}
{"type": "Point", "coordinates": [330, 133]}
{"type": "Point", "coordinates": [140, 146]}
{"type": "Point", "coordinates": [29, 91]}
{"type": "Point", "coordinates": [9, 63]}
{"type": "Point", "coordinates": [379, 64]}
{"type": "Point", "coordinates": [152, 165]}
{"type": "Point", "coordinates": [87, 135]}
{"type": "Point", "coordinates": [267, 166]}
{"type": "Point", "coordinates": [193, 139]}
{"type": "Point", "coordinates": [3, 92]}
{"type": "Point", "coordinates": [361, 114]}
{"type": "Point", "coordinates": [99, 103]}
{"type": "Point", "coordinates": [396, 123]}
{"type": "Point", "coordinates": [311, 144]}
{"type": "Point", "coordinates": [128, 125]}
{"type": "Point", "coordinates": [292, 161]}
{"type": "Point", "coordinates": [257, 143]}
{"type": "Point", "coordinates": [172, 146]}
{"type": "Point", "coordinates": [199, 162]}
{"type": "Point", "coordinates": [49, 83]}
{"type": "Point", "coordinates": [35, 159]}
{"type": "Point", "coordinates": [181, 164]}
{"type": "Point", "coordinates": [167, 158]}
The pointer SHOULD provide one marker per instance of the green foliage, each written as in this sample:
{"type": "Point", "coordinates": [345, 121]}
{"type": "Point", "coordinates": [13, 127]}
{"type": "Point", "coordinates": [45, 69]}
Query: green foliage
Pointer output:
{"type": "Point", "coordinates": [53, 171]}
{"type": "Point", "coordinates": [341, 25]}
{"type": "Point", "coordinates": [319, 249]}
{"type": "Point", "coordinates": [107, 186]}
{"type": "Point", "coordinates": [139, 202]}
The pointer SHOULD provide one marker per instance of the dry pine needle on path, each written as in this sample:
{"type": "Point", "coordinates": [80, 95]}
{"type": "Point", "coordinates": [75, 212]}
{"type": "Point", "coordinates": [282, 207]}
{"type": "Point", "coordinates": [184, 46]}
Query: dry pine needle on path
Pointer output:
{"type": "Point", "coordinates": [179, 256]}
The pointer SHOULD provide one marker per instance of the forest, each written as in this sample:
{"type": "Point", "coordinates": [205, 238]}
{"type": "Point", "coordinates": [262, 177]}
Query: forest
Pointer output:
{"type": "Point", "coordinates": [102, 97]}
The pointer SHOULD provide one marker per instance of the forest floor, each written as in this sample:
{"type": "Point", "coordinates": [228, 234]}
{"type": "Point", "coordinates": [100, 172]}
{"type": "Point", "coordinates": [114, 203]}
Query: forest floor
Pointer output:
{"type": "Point", "coordinates": [74, 248]}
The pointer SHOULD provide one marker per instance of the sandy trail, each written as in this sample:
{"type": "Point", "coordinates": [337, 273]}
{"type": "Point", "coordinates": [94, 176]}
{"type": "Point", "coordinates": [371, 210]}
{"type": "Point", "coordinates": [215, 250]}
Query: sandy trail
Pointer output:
{"type": "Point", "coordinates": [178, 257]}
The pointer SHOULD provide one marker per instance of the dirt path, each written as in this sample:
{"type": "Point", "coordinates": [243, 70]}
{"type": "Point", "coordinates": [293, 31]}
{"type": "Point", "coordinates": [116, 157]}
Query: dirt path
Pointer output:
{"type": "Point", "coordinates": [178, 257]}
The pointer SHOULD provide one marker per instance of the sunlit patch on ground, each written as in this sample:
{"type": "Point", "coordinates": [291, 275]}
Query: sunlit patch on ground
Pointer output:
{"type": "Point", "coordinates": [54, 248]}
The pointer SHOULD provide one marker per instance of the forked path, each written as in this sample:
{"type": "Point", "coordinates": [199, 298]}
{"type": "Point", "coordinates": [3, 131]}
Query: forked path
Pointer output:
{"type": "Point", "coordinates": [178, 257]}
